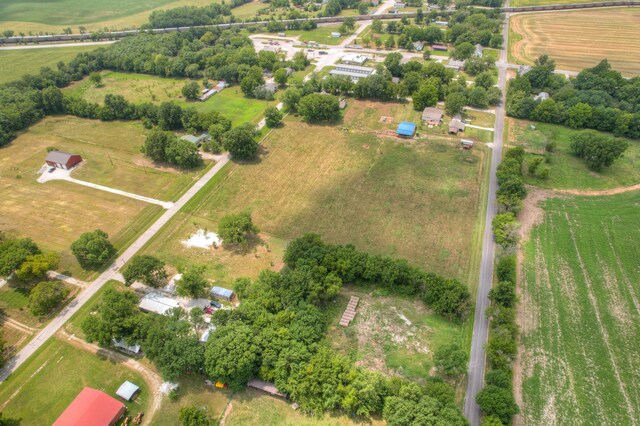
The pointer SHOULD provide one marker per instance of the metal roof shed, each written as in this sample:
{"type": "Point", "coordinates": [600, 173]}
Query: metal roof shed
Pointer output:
{"type": "Point", "coordinates": [221, 293]}
{"type": "Point", "coordinates": [157, 303]}
{"type": "Point", "coordinates": [127, 390]}
{"type": "Point", "coordinates": [407, 129]}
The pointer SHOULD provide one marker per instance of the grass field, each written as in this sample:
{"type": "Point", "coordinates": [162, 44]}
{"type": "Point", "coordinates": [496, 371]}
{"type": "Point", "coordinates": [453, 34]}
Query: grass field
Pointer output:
{"type": "Point", "coordinates": [385, 196]}
{"type": "Point", "coordinates": [148, 88]}
{"type": "Point", "coordinates": [248, 10]}
{"type": "Point", "coordinates": [515, 3]}
{"type": "Point", "coordinates": [580, 315]}
{"type": "Point", "coordinates": [578, 39]}
{"type": "Point", "coordinates": [15, 63]}
{"type": "Point", "coordinates": [54, 15]}
{"type": "Point", "coordinates": [565, 170]}
{"type": "Point", "coordinates": [321, 35]}
{"type": "Point", "coordinates": [40, 390]}
{"type": "Point", "coordinates": [390, 334]}
{"type": "Point", "coordinates": [14, 303]}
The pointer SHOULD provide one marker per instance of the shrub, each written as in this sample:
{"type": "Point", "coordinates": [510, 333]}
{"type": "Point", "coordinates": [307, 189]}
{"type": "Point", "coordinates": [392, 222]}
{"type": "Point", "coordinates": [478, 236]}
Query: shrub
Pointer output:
{"type": "Point", "coordinates": [506, 269]}
{"type": "Point", "coordinates": [498, 402]}
{"type": "Point", "coordinates": [46, 296]}
{"type": "Point", "coordinates": [505, 229]}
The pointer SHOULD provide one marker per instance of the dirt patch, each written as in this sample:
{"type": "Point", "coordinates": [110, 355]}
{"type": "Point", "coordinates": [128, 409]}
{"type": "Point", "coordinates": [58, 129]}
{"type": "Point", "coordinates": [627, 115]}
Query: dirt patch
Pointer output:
{"type": "Point", "coordinates": [532, 214]}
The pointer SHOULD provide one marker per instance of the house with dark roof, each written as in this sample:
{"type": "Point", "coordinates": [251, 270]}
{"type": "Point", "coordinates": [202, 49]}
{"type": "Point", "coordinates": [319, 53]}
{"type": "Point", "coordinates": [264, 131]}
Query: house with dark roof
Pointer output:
{"type": "Point", "coordinates": [91, 407]}
{"type": "Point", "coordinates": [456, 125]}
{"type": "Point", "coordinates": [62, 160]}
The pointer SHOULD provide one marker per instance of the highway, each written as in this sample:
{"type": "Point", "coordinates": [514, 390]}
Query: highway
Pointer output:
{"type": "Point", "coordinates": [477, 358]}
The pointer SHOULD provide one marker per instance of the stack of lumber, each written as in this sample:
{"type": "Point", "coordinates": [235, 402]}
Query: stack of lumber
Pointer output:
{"type": "Point", "coordinates": [350, 312]}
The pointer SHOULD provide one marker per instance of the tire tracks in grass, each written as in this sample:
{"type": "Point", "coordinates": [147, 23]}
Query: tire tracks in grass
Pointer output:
{"type": "Point", "coordinates": [605, 335]}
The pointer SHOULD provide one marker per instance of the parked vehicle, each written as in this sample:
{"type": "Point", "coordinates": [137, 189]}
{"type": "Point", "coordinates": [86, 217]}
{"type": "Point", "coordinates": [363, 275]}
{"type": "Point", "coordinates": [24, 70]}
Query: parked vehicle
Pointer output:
{"type": "Point", "coordinates": [51, 169]}
{"type": "Point", "coordinates": [216, 304]}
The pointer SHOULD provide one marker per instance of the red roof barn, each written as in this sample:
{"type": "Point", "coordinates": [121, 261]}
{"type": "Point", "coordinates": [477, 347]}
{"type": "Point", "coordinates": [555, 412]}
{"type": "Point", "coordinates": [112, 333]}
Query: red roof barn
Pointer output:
{"type": "Point", "coordinates": [91, 407]}
{"type": "Point", "coordinates": [62, 160]}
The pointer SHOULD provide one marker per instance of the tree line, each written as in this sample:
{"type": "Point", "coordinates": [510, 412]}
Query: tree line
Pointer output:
{"type": "Point", "coordinates": [186, 16]}
{"type": "Point", "coordinates": [277, 334]}
{"type": "Point", "coordinates": [598, 98]}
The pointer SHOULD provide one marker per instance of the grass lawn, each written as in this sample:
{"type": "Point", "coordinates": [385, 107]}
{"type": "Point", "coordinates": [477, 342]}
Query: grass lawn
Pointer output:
{"type": "Point", "coordinates": [40, 390]}
{"type": "Point", "coordinates": [255, 408]}
{"type": "Point", "coordinates": [579, 313]}
{"type": "Point", "coordinates": [383, 195]}
{"type": "Point", "coordinates": [54, 15]}
{"type": "Point", "coordinates": [15, 339]}
{"type": "Point", "coordinates": [14, 303]}
{"type": "Point", "coordinates": [321, 35]}
{"type": "Point", "coordinates": [565, 170]}
{"type": "Point", "coordinates": [248, 10]}
{"type": "Point", "coordinates": [578, 39]}
{"type": "Point", "coordinates": [391, 334]}
{"type": "Point", "coordinates": [15, 63]}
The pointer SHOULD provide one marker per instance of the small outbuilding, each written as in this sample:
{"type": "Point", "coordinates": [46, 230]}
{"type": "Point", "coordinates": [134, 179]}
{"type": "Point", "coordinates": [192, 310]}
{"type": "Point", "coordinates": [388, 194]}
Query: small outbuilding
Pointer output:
{"type": "Point", "coordinates": [335, 34]}
{"type": "Point", "coordinates": [455, 64]}
{"type": "Point", "coordinates": [62, 160]}
{"type": "Point", "coordinates": [91, 407]}
{"type": "Point", "coordinates": [406, 129]}
{"type": "Point", "coordinates": [267, 387]}
{"type": "Point", "coordinates": [127, 390]}
{"type": "Point", "coordinates": [121, 345]}
{"type": "Point", "coordinates": [479, 50]}
{"type": "Point", "coordinates": [466, 144]}
{"type": "Point", "coordinates": [432, 116]}
{"type": "Point", "coordinates": [197, 140]}
{"type": "Point", "coordinates": [222, 293]}
{"type": "Point", "coordinates": [418, 45]}
{"type": "Point", "coordinates": [456, 125]}
{"type": "Point", "coordinates": [439, 47]}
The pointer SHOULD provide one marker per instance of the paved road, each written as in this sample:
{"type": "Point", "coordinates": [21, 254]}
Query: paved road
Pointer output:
{"type": "Point", "coordinates": [477, 359]}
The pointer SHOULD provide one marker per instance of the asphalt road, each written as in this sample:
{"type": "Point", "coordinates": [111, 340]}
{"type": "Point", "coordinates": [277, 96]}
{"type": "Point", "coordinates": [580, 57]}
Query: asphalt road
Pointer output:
{"type": "Point", "coordinates": [477, 359]}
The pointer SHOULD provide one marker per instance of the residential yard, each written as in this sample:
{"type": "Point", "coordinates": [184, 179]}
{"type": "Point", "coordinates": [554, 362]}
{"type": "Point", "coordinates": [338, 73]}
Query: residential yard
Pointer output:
{"type": "Point", "coordinates": [565, 170]}
{"type": "Point", "coordinates": [15, 63]}
{"type": "Point", "coordinates": [387, 196]}
{"type": "Point", "coordinates": [321, 35]}
{"type": "Point", "coordinates": [394, 335]}
{"type": "Point", "coordinates": [578, 39]}
{"type": "Point", "coordinates": [14, 303]}
{"type": "Point", "coordinates": [579, 313]}
{"type": "Point", "coordinates": [53, 16]}
{"type": "Point", "coordinates": [40, 390]}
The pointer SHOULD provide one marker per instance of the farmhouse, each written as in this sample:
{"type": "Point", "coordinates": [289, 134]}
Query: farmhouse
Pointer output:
{"type": "Point", "coordinates": [127, 390]}
{"type": "Point", "coordinates": [123, 346]}
{"type": "Point", "coordinates": [432, 116]}
{"type": "Point", "coordinates": [91, 407]}
{"type": "Point", "coordinates": [271, 88]}
{"type": "Point", "coordinates": [157, 303]}
{"type": "Point", "coordinates": [456, 125]}
{"type": "Point", "coordinates": [406, 129]}
{"type": "Point", "coordinates": [222, 293]}
{"type": "Point", "coordinates": [197, 140]}
{"type": "Point", "coordinates": [354, 59]}
{"type": "Point", "coordinates": [455, 64]}
{"type": "Point", "coordinates": [353, 71]}
{"type": "Point", "coordinates": [62, 160]}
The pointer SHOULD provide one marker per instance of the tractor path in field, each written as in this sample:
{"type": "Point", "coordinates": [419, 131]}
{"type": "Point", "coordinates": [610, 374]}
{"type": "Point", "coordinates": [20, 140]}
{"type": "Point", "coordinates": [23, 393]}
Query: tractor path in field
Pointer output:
{"type": "Point", "coordinates": [151, 377]}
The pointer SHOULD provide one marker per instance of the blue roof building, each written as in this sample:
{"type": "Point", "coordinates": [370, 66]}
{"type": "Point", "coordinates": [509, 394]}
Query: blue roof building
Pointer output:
{"type": "Point", "coordinates": [406, 129]}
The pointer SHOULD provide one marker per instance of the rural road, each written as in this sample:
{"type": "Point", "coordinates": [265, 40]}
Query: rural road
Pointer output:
{"type": "Point", "coordinates": [112, 272]}
{"type": "Point", "coordinates": [477, 359]}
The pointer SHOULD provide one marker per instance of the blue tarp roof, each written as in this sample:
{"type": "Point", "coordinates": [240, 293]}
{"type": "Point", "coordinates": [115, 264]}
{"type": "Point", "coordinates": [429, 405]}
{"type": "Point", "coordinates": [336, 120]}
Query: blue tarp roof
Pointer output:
{"type": "Point", "coordinates": [222, 292]}
{"type": "Point", "coordinates": [406, 128]}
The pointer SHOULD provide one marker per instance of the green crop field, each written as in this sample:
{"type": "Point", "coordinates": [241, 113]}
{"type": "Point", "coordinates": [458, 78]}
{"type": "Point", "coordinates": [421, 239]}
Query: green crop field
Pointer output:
{"type": "Point", "coordinates": [54, 15]}
{"type": "Point", "coordinates": [565, 170]}
{"type": "Point", "coordinates": [16, 63]}
{"type": "Point", "coordinates": [40, 390]}
{"type": "Point", "coordinates": [383, 195]}
{"type": "Point", "coordinates": [147, 88]}
{"type": "Point", "coordinates": [580, 313]}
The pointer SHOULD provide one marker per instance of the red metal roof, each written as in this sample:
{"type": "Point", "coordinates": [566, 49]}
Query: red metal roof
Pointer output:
{"type": "Point", "coordinates": [91, 407]}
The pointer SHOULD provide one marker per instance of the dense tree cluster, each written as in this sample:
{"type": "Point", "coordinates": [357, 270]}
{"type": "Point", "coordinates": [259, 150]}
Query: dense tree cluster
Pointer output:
{"type": "Point", "coordinates": [598, 98]}
{"type": "Point", "coordinates": [146, 269]}
{"type": "Point", "coordinates": [46, 296]}
{"type": "Point", "coordinates": [496, 399]}
{"type": "Point", "coordinates": [511, 189]}
{"type": "Point", "coordinates": [14, 253]}
{"type": "Point", "coordinates": [316, 107]}
{"type": "Point", "coordinates": [236, 228]}
{"type": "Point", "coordinates": [165, 146]}
{"type": "Point", "coordinates": [191, 15]}
{"type": "Point", "coordinates": [597, 149]}
{"type": "Point", "coordinates": [93, 249]}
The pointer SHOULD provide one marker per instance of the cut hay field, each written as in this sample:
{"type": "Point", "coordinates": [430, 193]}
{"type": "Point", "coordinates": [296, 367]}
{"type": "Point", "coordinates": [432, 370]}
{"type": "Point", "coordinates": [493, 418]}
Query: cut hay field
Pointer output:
{"type": "Point", "coordinates": [40, 390]}
{"type": "Point", "coordinates": [567, 171]}
{"type": "Point", "coordinates": [414, 200]}
{"type": "Point", "coordinates": [54, 15]}
{"type": "Point", "coordinates": [578, 39]}
{"type": "Point", "coordinates": [16, 63]}
{"type": "Point", "coordinates": [580, 313]}
{"type": "Point", "coordinates": [148, 88]}
{"type": "Point", "coordinates": [518, 3]}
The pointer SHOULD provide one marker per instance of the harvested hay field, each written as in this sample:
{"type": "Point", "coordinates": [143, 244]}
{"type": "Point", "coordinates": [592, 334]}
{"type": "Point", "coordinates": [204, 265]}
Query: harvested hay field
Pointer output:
{"type": "Point", "coordinates": [580, 313]}
{"type": "Point", "coordinates": [578, 39]}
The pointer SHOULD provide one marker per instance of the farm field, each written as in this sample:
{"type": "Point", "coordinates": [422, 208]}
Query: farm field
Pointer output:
{"type": "Point", "coordinates": [62, 370]}
{"type": "Point", "coordinates": [578, 39]}
{"type": "Point", "coordinates": [53, 16]}
{"type": "Point", "coordinates": [16, 63]}
{"type": "Point", "coordinates": [394, 335]}
{"type": "Point", "coordinates": [383, 195]}
{"type": "Point", "coordinates": [139, 88]}
{"type": "Point", "coordinates": [517, 3]}
{"type": "Point", "coordinates": [579, 313]}
{"type": "Point", "coordinates": [565, 170]}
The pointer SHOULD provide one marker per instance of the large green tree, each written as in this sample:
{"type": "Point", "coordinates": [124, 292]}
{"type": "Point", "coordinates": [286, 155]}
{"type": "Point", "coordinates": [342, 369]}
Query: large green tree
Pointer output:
{"type": "Point", "coordinates": [36, 266]}
{"type": "Point", "coordinates": [116, 317]}
{"type": "Point", "coordinates": [498, 402]}
{"type": "Point", "coordinates": [147, 269]}
{"type": "Point", "coordinates": [316, 107]}
{"type": "Point", "coordinates": [451, 360]}
{"type": "Point", "coordinates": [231, 355]}
{"type": "Point", "coordinates": [193, 282]}
{"type": "Point", "coordinates": [234, 229]}
{"type": "Point", "coordinates": [46, 296]}
{"type": "Point", "coordinates": [93, 249]}
{"type": "Point", "coordinates": [14, 253]}
{"type": "Point", "coordinates": [241, 143]}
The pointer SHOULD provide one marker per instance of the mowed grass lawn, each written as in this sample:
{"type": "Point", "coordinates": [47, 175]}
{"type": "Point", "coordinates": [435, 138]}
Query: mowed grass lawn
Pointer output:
{"type": "Point", "coordinates": [321, 35]}
{"type": "Point", "coordinates": [413, 200]}
{"type": "Point", "coordinates": [54, 15]}
{"type": "Point", "coordinates": [140, 88]}
{"type": "Point", "coordinates": [578, 39]}
{"type": "Point", "coordinates": [579, 311]}
{"type": "Point", "coordinates": [16, 63]}
{"type": "Point", "coordinates": [567, 171]}
{"type": "Point", "coordinates": [40, 390]}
